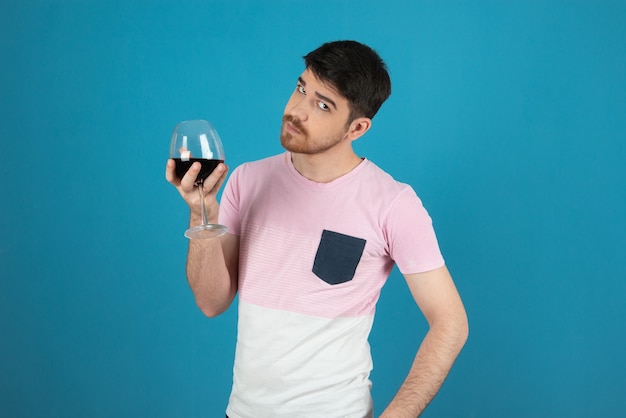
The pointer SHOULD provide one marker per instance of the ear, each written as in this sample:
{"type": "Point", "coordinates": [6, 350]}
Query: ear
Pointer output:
{"type": "Point", "coordinates": [358, 127]}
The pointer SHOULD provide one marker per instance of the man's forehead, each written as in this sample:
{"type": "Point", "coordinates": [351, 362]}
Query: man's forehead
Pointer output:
{"type": "Point", "coordinates": [309, 77]}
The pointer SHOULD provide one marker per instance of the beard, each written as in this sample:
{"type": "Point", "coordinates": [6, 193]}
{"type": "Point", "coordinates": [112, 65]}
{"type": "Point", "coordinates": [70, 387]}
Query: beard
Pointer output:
{"type": "Point", "coordinates": [302, 143]}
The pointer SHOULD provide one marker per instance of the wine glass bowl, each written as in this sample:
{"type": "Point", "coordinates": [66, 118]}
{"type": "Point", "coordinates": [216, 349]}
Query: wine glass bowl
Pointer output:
{"type": "Point", "coordinates": [198, 141]}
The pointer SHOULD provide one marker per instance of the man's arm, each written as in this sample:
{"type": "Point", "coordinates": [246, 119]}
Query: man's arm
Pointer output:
{"type": "Point", "coordinates": [212, 264]}
{"type": "Point", "coordinates": [437, 297]}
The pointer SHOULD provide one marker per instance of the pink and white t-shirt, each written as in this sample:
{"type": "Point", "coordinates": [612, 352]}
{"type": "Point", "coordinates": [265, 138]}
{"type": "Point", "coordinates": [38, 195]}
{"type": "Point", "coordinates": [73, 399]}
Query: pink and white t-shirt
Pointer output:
{"type": "Point", "coordinates": [313, 259]}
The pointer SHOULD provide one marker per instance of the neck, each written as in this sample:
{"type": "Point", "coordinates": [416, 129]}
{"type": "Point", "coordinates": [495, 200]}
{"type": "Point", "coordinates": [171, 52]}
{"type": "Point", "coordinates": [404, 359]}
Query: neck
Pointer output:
{"type": "Point", "coordinates": [324, 168]}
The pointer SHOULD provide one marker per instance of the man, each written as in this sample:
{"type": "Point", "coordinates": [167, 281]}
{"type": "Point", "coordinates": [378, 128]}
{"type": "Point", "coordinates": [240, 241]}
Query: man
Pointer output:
{"type": "Point", "coordinates": [313, 235]}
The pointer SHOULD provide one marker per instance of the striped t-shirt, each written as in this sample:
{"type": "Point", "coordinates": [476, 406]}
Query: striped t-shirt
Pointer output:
{"type": "Point", "coordinates": [313, 259]}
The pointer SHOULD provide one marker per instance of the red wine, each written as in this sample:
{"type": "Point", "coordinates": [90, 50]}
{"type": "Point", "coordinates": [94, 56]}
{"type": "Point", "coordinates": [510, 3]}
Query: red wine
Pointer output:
{"type": "Point", "coordinates": [207, 167]}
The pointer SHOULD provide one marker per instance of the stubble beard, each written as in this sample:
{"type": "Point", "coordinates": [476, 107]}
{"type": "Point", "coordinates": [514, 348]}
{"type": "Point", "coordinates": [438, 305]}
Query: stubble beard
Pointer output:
{"type": "Point", "coordinates": [302, 143]}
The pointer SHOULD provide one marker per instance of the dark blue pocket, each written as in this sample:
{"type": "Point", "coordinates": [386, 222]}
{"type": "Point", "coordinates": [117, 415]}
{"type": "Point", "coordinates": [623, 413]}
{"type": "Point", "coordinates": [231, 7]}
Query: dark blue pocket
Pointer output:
{"type": "Point", "coordinates": [337, 257]}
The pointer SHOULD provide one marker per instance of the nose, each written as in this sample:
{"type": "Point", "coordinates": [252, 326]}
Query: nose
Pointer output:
{"type": "Point", "coordinates": [296, 108]}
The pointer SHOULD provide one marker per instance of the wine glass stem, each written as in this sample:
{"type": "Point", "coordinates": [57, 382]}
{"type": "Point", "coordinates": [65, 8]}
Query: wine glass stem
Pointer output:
{"type": "Point", "coordinates": [201, 192]}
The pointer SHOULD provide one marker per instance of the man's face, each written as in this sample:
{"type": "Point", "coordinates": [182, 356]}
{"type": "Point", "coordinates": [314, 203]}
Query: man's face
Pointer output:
{"type": "Point", "coordinates": [315, 118]}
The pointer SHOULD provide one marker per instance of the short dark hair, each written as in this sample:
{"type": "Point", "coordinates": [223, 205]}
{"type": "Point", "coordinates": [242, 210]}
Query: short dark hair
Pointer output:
{"type": "Point", "coordinates": [356, 71]}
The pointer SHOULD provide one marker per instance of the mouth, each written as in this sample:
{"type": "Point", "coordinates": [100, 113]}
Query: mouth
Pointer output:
{"type": "Point", "coordinates": [292, 128]}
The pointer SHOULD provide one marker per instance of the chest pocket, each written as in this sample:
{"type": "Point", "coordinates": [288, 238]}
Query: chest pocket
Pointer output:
{"type": "Point", "coordinates": [337, 257]}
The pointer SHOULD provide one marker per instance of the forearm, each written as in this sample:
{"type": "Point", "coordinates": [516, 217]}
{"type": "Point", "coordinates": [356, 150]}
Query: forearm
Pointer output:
{"type": "Point", "coordinates": [432, 364]}
{"type": "Point", "coordinates": [211, 282]}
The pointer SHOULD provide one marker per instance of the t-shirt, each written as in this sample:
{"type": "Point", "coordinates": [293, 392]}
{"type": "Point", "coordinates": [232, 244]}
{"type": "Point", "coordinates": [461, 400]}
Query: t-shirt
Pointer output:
{"type": "Point", "coordinates": [313, 259]}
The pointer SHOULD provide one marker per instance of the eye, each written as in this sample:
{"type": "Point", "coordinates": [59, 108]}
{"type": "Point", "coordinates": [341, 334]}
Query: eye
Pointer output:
{"type": "Point", "coordinates": [323, 106]}
{"type": "Point", "coordinates": [300, 89]}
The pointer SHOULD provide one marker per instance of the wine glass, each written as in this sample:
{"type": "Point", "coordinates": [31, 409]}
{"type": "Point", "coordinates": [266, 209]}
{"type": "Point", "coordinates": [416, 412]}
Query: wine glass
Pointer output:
{"type": "Point", "coordinates": [197, 140]}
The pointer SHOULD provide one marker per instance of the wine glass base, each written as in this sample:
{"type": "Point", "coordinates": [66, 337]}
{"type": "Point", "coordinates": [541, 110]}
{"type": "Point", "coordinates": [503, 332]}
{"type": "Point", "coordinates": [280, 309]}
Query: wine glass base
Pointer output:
{"type": "Point", "coordinates": [205, 231]}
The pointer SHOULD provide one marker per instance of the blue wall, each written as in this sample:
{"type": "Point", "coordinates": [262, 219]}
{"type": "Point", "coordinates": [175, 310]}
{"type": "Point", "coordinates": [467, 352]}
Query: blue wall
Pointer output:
{"type": "Point", "coordinates": [507, 117]}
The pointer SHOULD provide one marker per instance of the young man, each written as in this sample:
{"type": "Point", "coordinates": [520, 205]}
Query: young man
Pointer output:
{"type": "Point", "coordinates": [313, 235]}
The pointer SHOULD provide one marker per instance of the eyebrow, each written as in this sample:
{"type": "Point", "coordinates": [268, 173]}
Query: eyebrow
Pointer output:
{"type": "Point", "coordinates": [318, 95]}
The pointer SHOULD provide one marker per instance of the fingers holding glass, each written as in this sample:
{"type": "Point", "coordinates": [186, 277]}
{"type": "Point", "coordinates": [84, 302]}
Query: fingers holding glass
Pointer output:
{"type": "Point", "coordinates": [196, 150]}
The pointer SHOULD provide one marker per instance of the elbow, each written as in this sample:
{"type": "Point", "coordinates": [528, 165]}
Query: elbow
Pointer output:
{"type": "Point", "coordinates": [210, 310]}
{"type": "Point", "coordinates": [213, 303]}
{"type": "Point", "coordinates": [453, 330]}
{"type": "Point", "coordinates": [460, 327]}
{"type": "Point", "coordinates": [461, 330]}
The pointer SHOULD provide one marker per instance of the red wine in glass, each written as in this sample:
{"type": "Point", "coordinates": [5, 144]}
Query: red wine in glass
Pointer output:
{"type": "Point", "coordinates": [197, 140]}
{"type": "Point", "coordinates": [182, 166]}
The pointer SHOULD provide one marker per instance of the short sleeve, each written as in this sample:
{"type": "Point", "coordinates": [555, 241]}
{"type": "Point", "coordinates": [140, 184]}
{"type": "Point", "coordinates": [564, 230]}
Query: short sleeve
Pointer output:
{"type": "Point", "coordinates": [410, 235]}
{"type": "Point", "coordinates": [229, 204]}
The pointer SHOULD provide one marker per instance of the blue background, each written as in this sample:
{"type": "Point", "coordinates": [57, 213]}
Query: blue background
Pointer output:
{"type": "Point", "coordinates": [507, 117]}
